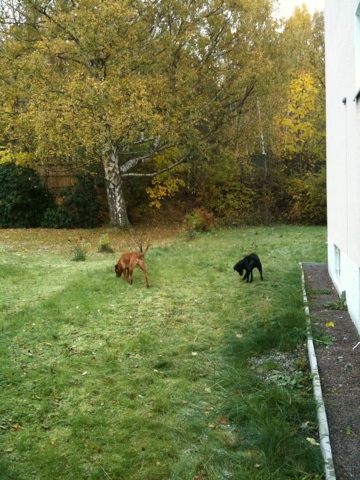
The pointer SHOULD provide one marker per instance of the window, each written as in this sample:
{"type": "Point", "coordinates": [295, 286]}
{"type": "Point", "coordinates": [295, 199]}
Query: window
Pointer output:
{"type": "Point", "coordinates": [337, 261]}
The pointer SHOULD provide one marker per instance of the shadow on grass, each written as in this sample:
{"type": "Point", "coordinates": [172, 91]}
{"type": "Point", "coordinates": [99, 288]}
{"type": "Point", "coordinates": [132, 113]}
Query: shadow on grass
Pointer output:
{"type": "Point", "coordinates": [275, 420]}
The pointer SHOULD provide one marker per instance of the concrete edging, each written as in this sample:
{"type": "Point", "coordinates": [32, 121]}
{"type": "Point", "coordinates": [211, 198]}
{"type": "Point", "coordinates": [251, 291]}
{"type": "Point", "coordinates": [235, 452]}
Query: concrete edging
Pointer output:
{"type": "Point", "coordinates": [321, 413]}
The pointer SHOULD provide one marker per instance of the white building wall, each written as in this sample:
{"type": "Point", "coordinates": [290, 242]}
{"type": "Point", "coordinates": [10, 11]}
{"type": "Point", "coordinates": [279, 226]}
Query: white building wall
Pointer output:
{"type": "Point", "coordinates": [342, 42]}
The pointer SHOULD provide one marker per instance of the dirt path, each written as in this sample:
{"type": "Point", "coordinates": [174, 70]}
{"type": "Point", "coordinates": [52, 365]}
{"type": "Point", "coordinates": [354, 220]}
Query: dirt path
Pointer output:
{"type": "Point", "coordinates": [339, 370]}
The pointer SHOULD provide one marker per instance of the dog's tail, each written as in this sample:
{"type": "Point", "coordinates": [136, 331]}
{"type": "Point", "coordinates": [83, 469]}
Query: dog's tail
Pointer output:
{"type": "Point", "coordinates": [146, 249]}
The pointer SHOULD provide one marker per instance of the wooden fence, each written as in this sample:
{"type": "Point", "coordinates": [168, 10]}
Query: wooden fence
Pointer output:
{"type": "Point", "coordinates": [56, 177]}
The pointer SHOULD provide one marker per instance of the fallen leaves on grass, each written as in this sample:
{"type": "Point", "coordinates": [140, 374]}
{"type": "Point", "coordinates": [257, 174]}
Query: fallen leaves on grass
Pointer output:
{"type": "Point", "coordinates": [312, 441]}
{"type": "Point", "coordinates": [222, 420]}
{"type": "Point", "coordinates": [17, 427]}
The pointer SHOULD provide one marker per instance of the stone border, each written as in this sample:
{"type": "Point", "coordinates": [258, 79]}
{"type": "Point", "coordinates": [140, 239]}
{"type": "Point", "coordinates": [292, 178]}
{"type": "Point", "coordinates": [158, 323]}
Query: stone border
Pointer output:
{"type": "Point", "coordinates": [321, 413]}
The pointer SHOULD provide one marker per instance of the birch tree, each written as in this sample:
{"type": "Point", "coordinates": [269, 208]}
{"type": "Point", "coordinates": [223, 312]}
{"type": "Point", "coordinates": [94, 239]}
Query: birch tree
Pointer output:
{"type": "Point", "coordinates": [128, 83]}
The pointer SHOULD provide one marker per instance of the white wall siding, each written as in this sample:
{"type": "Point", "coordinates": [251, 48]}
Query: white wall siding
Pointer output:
{"type": "Point", "coordinates": [342, 43]}
{"type": "Point", "coordinates": [346, 280]}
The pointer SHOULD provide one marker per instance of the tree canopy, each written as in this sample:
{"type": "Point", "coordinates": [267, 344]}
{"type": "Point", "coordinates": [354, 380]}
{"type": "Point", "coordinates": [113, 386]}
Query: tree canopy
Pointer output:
{"type": "Point", "coordinates": [140, 87]}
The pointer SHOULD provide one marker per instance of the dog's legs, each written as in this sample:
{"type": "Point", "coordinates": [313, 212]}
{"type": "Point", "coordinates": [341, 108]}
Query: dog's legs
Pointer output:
{"type": "Point", "coordinates": [145, 277]}
{"type": "Point", "coordinates": [144, 272]}
{"type": "Point", "coordinates": [261, 275]}
{"type": "Point", "coordinates": [132, 266]}
{"type": "Point", "coordinates": [251, 276]}
{"type": "Point", "coordinates": [142, 265]}
{"type": "Point", "coordinates": [130, 275]}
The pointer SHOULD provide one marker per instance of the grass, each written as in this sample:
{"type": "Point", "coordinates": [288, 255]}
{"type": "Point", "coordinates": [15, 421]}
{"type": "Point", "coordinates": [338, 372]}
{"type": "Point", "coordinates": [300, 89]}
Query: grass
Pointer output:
{"type": "Point", "coordinates": [102, 380]}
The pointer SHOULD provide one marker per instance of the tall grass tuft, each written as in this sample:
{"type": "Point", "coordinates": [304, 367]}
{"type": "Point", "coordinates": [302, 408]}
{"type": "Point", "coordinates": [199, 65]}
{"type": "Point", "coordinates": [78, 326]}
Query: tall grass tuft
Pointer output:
{"type": "Point", "coordinates": [79, 253]}
{"type": "Point", "coordinates": [104, 244]}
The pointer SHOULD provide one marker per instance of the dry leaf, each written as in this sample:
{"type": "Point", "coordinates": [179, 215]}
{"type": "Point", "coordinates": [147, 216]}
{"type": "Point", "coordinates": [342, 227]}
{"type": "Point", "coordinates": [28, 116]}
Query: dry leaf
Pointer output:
{"type": "Point", "coordinates": [330, 324]}
{"type": "Point", "coordinates": [312, 441]}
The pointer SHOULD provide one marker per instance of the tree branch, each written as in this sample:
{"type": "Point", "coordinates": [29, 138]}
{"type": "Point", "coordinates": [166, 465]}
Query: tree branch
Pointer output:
{"type": "Point", "coordinates": [133, 162]}
{"type": "Point", "coordinates": [42, 11]}
{"type": "Point", "coordinates": [154, 174]}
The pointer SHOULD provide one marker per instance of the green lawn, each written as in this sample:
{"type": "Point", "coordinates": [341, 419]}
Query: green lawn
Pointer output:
{"type": "Point", "coordinates": [103, 380]}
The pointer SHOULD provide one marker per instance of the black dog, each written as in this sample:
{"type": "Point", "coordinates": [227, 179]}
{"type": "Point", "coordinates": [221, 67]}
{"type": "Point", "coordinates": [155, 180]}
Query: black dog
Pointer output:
{"type": "Point", "coordinates": [248, 264]}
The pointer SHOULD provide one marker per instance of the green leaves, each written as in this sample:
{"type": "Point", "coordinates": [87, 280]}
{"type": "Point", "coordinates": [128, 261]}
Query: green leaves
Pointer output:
{"type": "Point", "coordinates": [141, 87]}
{"type": "Point", "coordinates": [110, 71]}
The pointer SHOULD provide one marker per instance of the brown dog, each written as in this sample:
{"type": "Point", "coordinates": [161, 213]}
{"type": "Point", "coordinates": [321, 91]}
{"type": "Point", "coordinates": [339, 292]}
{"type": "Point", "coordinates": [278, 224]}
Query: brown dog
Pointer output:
{"type": "Point", "coordinates": [127, 263]}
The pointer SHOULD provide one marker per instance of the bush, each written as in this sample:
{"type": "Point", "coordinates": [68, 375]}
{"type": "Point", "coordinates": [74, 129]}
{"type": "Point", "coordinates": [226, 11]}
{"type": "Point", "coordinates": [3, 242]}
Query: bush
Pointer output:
{"type": "Point", "coordinates": [244, 191]}
{"type": "Point", "coordinates": [78, 207]}
{"type": "Point", "coordinates": [23, 198]}
{"type": "Point", "coordinates": [309, 199]}
{"type": "Point", "coordinates": [198, 221]}
{"type": "Point", "coordinates": [315, 208]}
{"type": "Point", "coordinates": [104, 245]}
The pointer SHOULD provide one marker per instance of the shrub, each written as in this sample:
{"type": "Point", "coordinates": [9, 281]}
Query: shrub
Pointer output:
{"type": "Point", "coordinates": [309, 199]}
{"type": "Point", "coordinates": [78, 207]}
{"type": "Point", "coordinates": [315, 208]}
{"type": "Point", "coordinates": [104, 245]}
{"type": "Point", "coordinates": [198, 221]}
{"type": "Point", "coordinates": [23, 198]}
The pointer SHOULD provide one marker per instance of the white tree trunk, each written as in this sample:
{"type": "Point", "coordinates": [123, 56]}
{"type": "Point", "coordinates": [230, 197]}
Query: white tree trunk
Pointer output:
{"type": "Point", "coordinates": [115, 193]}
